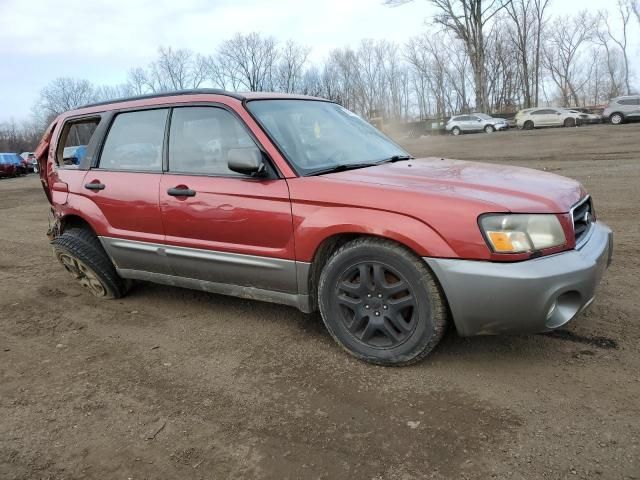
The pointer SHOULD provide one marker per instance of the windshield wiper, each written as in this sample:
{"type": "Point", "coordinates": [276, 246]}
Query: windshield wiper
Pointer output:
{"type": "Point", "coordinates": [395, 158]}
{"type": "Point", "coordinates": [342, 167]}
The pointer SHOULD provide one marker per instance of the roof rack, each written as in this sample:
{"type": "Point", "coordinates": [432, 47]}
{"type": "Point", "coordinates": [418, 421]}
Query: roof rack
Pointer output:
{"type": "Point", "coordinates": [193, 91]}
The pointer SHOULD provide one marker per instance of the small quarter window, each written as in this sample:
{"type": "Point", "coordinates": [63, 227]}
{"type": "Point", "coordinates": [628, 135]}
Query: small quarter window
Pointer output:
{"type": "Point", "coordinates": [75, 139]}
{"type": "Point", "coordinates": [200, 140]}
{"type": "Point", "coordinates": [135, 141]}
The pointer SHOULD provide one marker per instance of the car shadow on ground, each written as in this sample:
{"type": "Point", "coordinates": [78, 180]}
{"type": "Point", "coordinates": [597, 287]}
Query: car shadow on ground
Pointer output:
{"type": "Point", "coordinates": [312, 329]}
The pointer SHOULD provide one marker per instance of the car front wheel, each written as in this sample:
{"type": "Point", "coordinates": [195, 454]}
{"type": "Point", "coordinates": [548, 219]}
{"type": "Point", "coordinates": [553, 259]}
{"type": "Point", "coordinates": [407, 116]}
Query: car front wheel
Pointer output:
{"type": "Point", "coordinates": [528, 125]}
{"type": "Point", "coordinates": [489, 129]}
{"type": "Point", "coordinates": [456, 131]}
{"type": "Point", "coordinates": [381, 303]}
{"type": "Point", "coordinates": [616, 118]}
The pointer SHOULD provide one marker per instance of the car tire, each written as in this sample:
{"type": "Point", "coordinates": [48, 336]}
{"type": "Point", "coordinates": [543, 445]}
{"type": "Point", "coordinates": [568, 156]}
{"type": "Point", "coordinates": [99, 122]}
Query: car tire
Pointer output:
{"type": "Point", "coordinates": [489, 129]}
{"type": "Point", "coordinates": [381, 302]}
{"type": "Point", "coordinates": [569, 122]}
{"type": "Point", "coordinates": [528, 125]}
{"type": "Point", "coordinates": [616, 118]}
{"type": "Point", "coordinates": [456, 131]}
{"type": "Point", "coordinates": [82, 255]}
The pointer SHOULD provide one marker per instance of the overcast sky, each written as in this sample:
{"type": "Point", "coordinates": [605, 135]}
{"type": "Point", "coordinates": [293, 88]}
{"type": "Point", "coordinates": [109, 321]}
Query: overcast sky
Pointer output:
{"type": "Point", "coordinates": [101, 40]}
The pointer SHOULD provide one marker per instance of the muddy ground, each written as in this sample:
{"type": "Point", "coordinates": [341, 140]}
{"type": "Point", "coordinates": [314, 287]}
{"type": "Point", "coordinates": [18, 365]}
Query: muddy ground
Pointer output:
{"type": "Point", "coordinates": [172, 383]}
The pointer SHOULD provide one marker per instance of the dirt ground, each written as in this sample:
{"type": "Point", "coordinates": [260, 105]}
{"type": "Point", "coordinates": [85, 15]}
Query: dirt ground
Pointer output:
{"type": "Point", "coordinates": [172, 383]}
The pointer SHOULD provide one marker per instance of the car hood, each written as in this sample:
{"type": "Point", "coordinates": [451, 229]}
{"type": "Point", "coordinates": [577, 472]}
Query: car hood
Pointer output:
{"type": "Point", "coordinates": [502, 187]}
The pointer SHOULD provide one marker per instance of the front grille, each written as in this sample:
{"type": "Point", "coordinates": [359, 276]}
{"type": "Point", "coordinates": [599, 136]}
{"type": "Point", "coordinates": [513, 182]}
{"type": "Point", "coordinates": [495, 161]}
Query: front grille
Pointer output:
{"type": "Point", "coordinates": [583, 217]}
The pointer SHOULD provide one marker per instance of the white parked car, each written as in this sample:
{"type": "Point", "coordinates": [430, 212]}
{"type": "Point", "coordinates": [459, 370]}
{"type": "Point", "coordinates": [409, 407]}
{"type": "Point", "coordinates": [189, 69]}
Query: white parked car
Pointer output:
{"type": "Point", "coordinates": [547, 117]}
{"type": "Point", "coordinates": [475, 122]}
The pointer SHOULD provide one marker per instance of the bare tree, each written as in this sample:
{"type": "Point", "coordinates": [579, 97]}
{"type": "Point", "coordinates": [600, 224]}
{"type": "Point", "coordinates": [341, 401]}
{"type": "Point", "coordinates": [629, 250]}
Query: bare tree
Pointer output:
{"type": "Point", "coordinates": [612, 62]}
{"type": "Point", "coordinates": [528, 17]}
{"type": "Point", "coordinates": [539, 7]}
{"type": "Point", "coordinates": [439, 71]}
{"type": "Point", "coordinates": [290, 67]}
{"type": "Point", "coordinates": [63, 94]}
{"type": "Point", "coordinates": [562, 54]}
{"type": "Point", "coordinates": [247, 61]}
{"type": "Point", "coordinates": [467, 19]}
{"type": "Point", "coordinates": [503, 70]}
{"type": "Point", "coordinates": [111, 92]}
{"type": "Point", "coordinates": [174, 69]}
{"type": "Point", "coordinates": [624, 10]}
{"type": "Point", "coordinates": [635, 6]}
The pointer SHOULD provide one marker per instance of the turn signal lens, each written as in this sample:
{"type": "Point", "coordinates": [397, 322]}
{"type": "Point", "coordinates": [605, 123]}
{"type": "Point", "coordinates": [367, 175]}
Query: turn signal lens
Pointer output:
{"type": "Point", "coordinates": [509, 242]}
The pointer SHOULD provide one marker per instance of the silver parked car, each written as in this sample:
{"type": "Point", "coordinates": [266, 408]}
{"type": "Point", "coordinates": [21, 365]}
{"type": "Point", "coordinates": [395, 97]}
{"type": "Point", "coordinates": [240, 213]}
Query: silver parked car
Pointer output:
{"type": "Point", "coordinates": [621, 109]}
{"type": "Point", "coordinates": [475, 122]}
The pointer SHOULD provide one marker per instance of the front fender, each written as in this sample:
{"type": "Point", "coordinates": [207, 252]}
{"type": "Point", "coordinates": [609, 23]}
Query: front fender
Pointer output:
{"type": "Point", "coordinates": [312, 225]}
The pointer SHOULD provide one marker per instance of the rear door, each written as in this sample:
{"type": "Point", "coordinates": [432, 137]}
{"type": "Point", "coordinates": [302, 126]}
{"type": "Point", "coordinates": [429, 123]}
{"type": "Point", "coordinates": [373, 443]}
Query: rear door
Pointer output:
{"type": "Point", "coordinates": [463, 122]}
{"type": "Point", "coordinates": [123, 185]}
{"type": "Point", "coordinates": [222, 226]}
{"type": "Point", "coordinates": [475, 123]}
{"type": "Point", "coordinates": [555, 117]}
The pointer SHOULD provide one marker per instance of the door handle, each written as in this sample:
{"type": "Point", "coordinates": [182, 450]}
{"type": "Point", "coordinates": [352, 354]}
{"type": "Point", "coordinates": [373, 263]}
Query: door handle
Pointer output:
{"type": "Point", "coordinates": [95, 185]}
{"type": "Point", "coordinates": [181, 192]}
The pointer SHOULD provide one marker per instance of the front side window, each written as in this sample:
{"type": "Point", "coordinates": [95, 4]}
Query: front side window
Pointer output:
{"type": "Point", "coordinates": [135, 141]}
{"type": "Point", "coordinates": [628, 101]}
{"type": "Point", "coordinates": [201, 138]}
{"type": "Point", "coordinates": [316, 136]}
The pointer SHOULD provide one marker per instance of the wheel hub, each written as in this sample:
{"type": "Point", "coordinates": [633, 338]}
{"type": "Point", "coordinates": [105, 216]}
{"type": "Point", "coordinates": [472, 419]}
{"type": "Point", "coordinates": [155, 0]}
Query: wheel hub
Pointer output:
{"type": "Point", "coordinates": [81, 272]}
{"type": "Point", "coordinates": [376, 304]}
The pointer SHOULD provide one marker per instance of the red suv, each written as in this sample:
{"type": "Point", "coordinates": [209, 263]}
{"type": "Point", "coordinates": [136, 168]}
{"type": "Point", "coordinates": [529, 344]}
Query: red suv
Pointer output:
{"type": "Point", "coordinates": [296, 200]}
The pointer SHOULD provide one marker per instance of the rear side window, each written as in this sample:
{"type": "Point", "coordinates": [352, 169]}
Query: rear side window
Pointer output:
{"type": "Point", "coordinates": [75, 138]}
{"type": "Point", "coordinates": [134, 141]}
{"type": "Point", "coordinates": [201, 138]}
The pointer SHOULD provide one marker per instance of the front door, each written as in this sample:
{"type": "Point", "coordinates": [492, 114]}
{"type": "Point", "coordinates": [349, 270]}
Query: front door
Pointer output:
{"type": "Point", "coordinates": [222, 226]}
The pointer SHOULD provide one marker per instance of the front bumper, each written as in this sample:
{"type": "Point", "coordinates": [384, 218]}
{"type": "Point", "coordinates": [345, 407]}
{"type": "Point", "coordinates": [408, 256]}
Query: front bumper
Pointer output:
{"type": "Point", "coordinates": [524, 297]}
{"type": "Point", "coordinates": [501, 126]}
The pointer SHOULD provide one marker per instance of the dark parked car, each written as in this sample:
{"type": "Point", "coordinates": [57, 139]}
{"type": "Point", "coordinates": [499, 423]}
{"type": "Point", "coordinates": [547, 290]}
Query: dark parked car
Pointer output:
{"type": "Point", "coordinates": [16, 160]}
{"type": "Point", "coordinates": [7, 166]}
{"type": "Point", "coordinates": [296, 200]}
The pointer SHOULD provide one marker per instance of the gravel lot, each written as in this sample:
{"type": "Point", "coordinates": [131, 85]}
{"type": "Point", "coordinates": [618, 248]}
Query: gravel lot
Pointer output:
{"type": "Point", "coordinates": [172, 383]}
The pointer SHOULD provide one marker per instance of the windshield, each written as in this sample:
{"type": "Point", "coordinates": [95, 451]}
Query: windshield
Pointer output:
{"type": "Point", "coordinates": [316, 136]}
{"type": "Point", "coordinates": [483, 116]}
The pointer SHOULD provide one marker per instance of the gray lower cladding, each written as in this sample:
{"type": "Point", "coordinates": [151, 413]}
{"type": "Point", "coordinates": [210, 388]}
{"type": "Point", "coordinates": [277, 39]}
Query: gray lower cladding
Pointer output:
{"type": "Point", "coordinates": [249, 276]}
{"type": "Point", "coordinates": [524, 297]}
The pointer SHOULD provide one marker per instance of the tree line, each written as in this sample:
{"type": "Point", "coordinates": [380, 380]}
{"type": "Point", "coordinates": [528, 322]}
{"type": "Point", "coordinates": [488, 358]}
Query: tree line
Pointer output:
{"type": "Point", "coordinates": [475, 55]}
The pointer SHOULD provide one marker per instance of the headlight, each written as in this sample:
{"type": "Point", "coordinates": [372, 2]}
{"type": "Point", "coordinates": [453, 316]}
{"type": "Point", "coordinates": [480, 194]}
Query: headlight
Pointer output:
{"type": "Point", "coordinates": [518, 233]}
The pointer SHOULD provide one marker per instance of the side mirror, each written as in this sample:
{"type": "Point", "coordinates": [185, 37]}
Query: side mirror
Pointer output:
{"type": "Point", "coordinates": [247, 161]}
